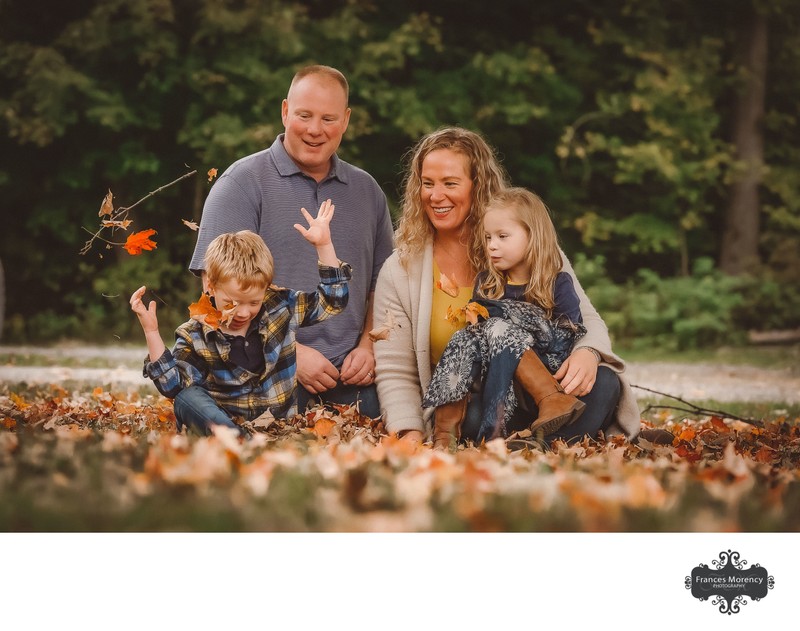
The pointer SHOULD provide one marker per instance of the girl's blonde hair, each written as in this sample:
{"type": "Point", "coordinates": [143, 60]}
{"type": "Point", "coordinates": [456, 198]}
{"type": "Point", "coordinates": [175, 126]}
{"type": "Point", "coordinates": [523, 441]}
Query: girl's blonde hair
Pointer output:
{"type": "Point", "coordinates": [543, 256]}
{"type": "Point", "coordinates": [414, 227]}
{"type": "Point", "coordinates": [242, 257]}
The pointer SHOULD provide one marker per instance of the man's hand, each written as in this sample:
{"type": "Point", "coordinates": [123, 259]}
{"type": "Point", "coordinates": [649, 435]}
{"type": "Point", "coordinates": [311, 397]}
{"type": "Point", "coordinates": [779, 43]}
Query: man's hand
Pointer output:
{"type": "Point", "coordinates": [578, 372]}
{"type": "Point", "coordinates": [314, 372]}
{"type": "Point", "coordinates": [358, 368]}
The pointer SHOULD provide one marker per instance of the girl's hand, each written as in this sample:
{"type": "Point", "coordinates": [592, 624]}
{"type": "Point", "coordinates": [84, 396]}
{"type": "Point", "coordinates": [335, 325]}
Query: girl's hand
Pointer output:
{"type": "Point", "coordinates": [318, 232]}
{"type": "Point", "coordinates": [578, 372]}
{"type": "Point", "coordinates": [146, 314]}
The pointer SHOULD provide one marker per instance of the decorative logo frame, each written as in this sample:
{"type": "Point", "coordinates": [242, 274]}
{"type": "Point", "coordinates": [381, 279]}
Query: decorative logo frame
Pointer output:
{"type": "Point", "coordinates": [729, 583]}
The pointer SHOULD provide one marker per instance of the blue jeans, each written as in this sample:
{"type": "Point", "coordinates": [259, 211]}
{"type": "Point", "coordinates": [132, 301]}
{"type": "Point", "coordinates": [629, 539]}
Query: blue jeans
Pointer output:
{"type": "Point", "coordinates": [367, 397]}
{"type": "Point", "coordinates": [196, 409]}
{"type": "Point", "coordinates": [598, 414]}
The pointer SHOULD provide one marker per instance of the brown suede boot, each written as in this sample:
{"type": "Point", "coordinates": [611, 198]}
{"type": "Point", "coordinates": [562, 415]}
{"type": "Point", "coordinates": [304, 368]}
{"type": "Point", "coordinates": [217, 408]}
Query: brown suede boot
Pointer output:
{"type": "Point", "coordinates": [447, 421]}
{"type": "Point", "coordinates": [556, 408]}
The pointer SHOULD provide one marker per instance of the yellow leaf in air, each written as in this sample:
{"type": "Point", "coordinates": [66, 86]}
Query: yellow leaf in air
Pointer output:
{"type": "Point", "coordinates": [107, 207]}
{"type": "Point", "coordinates": [382, 332]}
{"type": "Point", "coordinates": [448, 285]}
{"type": "Point", "coordinates": [212, 173]}
{"type": "Point", "coordinates": [190, 224]}
{"type": "Point", "coordinates": [473, 311]}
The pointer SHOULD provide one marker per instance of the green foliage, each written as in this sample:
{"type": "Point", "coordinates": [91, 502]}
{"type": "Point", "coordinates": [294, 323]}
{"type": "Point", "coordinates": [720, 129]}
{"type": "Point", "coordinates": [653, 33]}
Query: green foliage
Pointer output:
{"type": "Point", "coordinates": [704, 310]}
{"type": "Point", "coordinates": [616, 117]}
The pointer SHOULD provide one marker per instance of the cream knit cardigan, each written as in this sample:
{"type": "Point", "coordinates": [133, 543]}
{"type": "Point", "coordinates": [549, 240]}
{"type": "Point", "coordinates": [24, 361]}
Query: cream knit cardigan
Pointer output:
{"type": "Point", "coordinates": [403, 369]}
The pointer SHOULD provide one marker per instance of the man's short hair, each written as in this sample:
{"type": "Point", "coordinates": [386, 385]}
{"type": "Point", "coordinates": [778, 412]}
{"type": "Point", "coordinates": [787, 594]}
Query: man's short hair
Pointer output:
{"type": "Point", "coordinates": [325, 71]}
{"type": "Point", "coordinates": [242, 257]}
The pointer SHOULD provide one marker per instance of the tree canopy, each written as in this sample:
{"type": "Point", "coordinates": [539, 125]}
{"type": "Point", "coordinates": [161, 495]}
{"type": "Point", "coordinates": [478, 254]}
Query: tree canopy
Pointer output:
{"type": "Point", "coordinates": [620, 114]}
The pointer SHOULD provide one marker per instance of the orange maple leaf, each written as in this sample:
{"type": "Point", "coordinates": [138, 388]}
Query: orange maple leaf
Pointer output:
{"type": "Point", "coordinates": [206, 313]}
{"type": "Point", "coordinates": [139, 241]}
{"type": "Point", "coordinates": [212, 173]}
{"type": "Point", "coordinates": [107, 207]}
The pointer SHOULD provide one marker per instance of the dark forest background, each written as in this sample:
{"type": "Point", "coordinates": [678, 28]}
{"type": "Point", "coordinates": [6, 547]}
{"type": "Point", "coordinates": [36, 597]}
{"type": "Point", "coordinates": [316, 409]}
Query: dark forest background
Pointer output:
{"type": "Point", "coordinates": [665, 137]}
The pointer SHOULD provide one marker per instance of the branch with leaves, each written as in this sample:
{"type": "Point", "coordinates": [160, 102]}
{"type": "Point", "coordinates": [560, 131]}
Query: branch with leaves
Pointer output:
{"type": "Point", "coordinates": [118, 219]}
{"type": "Point", "coordinates": [694, 409]}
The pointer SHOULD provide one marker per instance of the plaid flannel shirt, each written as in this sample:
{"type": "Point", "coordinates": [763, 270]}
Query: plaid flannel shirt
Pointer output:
{"type": "Point", "coordinates": [200, 356]}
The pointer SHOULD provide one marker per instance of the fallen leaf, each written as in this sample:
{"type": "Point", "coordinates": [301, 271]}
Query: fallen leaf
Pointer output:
{"type": "Point", "coordinates": [190, 224]}
{"type": "Point", "coordinates": [382, 332]}
{"type": "Point", "coordinates": [264, 420]}
{"type": "Point", "coordinates": [212, 173]}
{"type": "Point", "coordinates": [139, 241]}
{"type": "Point", "coordinates": [448, 285]}
{"type": "Point", "coordinates": [323, 427]}
{"type": "Point", "coordinates": [107, 207]}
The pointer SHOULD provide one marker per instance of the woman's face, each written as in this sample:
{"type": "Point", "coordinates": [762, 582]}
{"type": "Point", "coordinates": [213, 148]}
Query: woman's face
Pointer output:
{"type": "Point", "coordinates": [446, 189]}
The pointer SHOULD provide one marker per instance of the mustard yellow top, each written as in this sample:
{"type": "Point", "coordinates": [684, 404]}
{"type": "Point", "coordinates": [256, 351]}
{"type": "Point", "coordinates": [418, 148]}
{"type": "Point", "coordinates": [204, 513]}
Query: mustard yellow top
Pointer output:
{"type": "Point", "coordinates": [442, 328]}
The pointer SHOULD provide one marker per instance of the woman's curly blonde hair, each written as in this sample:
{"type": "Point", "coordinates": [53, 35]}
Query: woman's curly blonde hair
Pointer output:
{"type": "Point", "coordinates": [488, 177]}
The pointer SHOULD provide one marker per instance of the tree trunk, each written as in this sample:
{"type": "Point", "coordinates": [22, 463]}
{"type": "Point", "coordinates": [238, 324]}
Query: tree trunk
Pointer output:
{"type": "Point", "coordinates": [740, 237]}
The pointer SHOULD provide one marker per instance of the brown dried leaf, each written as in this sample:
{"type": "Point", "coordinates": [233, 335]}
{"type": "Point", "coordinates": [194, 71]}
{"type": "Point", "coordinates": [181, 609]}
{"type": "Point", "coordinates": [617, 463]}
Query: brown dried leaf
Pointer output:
{"type": "Point", "coordinates": [190, 224]}
{"type": "Point", "coordinates": [107, 207]}
{"type": "Point", "coordinates": [447, 284]}
{"type": "Point", "coordinates": [382, 332]}
{"type": "Point", "coordinates": [108, 223]}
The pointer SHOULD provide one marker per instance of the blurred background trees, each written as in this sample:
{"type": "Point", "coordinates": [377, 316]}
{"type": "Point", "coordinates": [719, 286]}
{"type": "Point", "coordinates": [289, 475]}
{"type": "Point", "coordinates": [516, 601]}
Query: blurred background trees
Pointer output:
{"type": "Point", "coordinates": [665, 137]}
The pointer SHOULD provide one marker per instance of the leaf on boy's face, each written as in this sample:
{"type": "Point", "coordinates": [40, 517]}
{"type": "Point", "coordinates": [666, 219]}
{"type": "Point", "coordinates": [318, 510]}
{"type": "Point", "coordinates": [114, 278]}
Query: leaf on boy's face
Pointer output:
{"type": "Point", "coordinates": [448, 285]}
{"type": "Point", "coordinates": [206, 313]}
{"type": "Point", "coordinates": [382, 332]}
{"type": "Point", "coordinates": [107, 207]}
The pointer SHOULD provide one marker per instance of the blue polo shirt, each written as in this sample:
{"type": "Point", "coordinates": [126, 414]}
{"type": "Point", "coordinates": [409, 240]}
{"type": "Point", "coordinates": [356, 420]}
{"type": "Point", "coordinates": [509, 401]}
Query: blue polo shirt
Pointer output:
{"type": "Point", "coordinates": [264, 192]}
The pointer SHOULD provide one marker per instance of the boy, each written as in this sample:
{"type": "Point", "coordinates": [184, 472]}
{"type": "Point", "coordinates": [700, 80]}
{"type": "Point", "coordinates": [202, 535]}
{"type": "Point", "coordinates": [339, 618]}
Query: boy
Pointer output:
{"type": "Point", "coordinates": [248, 364]}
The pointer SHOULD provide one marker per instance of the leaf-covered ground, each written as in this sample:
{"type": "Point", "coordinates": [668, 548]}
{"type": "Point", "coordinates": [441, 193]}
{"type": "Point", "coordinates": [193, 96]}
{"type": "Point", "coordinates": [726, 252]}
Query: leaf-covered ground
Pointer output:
{"type": "Point", "coordinates": [105, 461]}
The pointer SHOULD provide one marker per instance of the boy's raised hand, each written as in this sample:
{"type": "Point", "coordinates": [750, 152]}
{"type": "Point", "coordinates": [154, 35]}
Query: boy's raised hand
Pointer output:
{"type": "Point", "coordinates": [318, 232]}
{"type": "Point", "coordinates": [146, 314]}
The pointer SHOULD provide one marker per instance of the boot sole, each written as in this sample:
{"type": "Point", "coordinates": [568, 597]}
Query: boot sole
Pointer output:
{"type": "Point", "coordinates": [550, 425]}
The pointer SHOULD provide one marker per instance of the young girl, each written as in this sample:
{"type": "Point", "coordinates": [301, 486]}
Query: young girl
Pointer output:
{"type": "Point", "coordinates": [533, 322]}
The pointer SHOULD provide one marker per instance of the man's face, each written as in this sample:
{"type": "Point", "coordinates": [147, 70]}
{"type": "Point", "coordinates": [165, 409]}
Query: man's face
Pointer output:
{"type": "Point", "coordinates": [315, 116]}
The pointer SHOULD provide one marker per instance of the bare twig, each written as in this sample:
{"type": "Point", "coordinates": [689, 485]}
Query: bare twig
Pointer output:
{"type": "Point", "coordinates": [123, 211]}
{"type": "Point", "coordinates": [695, 409]}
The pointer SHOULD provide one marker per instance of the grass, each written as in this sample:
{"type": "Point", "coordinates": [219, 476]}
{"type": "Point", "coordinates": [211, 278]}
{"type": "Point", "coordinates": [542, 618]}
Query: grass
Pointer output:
{"type": "Point", "coordinates": [762, 356]}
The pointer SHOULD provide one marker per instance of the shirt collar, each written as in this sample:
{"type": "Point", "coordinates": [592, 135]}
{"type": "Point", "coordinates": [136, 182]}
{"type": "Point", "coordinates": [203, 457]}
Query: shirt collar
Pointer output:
{"type": "Point", "coordinates": [286, 166]}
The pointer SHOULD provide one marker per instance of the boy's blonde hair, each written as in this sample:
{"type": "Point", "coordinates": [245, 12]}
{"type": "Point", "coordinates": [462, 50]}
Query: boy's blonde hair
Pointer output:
{"type": "Point", "coordinates": [240, 256]}
{"type": "Point", "coordinates": [543, 255]}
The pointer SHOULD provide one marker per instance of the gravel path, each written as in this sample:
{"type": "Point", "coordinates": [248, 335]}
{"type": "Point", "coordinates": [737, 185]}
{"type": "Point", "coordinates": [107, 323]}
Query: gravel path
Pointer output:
{"type": "Point", "coordinates": [693, 382]}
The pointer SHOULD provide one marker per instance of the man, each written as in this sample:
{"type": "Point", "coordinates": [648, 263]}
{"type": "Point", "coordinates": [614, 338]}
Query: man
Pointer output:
{"type": "Point", "coordinates": [263, 193]}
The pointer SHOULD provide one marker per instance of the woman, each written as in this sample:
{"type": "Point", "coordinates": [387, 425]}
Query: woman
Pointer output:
{"type": "Point", "coordinates": [451, 176]}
